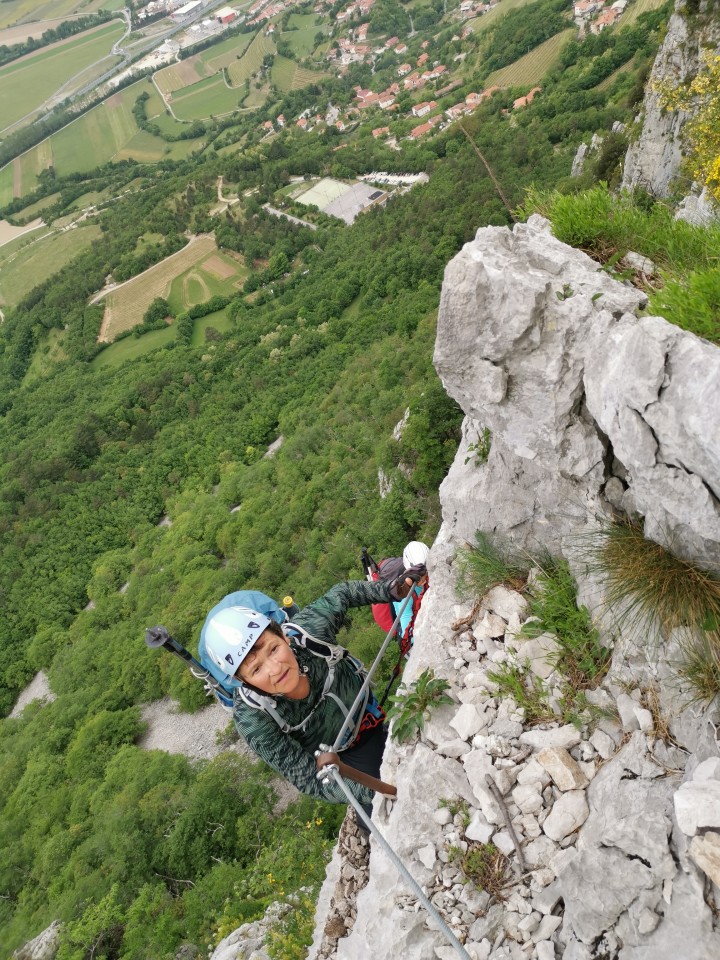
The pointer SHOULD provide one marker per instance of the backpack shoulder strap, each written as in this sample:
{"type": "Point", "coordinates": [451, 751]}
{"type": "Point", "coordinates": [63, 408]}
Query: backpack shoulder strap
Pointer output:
{"type": "Point", "coordinates": [332, 654]}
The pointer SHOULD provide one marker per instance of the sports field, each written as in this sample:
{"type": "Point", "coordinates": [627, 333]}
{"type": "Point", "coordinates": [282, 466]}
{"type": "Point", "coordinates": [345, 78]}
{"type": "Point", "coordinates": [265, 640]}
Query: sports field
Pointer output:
{"type": "Point", "coordinates": [216, 275]}
{"type": "Point", "coordinates": [107, 132]}
{"type": "Point", "coordinates": [28, 82]}
{"type": "Point", "coordinates": [190, 276]}
{"type": "Point", "coordinates": [324, 192]}
{"type": "Point", "coordinates": [31, 259]}
{"type": "Point", "coordinates": [534, 65]}
{"type": "Point", "coordinates": [20, 11]}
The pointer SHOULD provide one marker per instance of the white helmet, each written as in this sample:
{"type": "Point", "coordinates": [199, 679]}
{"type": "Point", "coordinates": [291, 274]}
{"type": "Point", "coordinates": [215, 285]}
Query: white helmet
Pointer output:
{"type": "Point", "coordinates": [230, 635]}
{"type": "Point", "coordinates": [415, 553]}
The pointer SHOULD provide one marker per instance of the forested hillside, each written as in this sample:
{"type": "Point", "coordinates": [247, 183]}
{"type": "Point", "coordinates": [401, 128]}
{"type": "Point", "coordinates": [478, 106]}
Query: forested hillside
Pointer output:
{"type": "Point", "coordinates": [326, 346]}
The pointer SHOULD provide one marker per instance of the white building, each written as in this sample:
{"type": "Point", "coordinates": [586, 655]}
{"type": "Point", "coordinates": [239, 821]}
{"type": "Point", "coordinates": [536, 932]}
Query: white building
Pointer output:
{"type": "Point", "coordinates": [182, 12]}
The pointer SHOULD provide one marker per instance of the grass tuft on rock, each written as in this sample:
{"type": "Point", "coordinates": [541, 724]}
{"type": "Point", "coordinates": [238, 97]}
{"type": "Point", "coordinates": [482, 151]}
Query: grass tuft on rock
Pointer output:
{"type": "Point", "coordinates": [486, 867]}
{"type": "Point", "coordinates": [486, 565]}
{"type": "Point", "coordinates": [581, 658]}
{"type": "Point", "coordinates": [648, 583]}
{"type": "Point", "coordinates": [646, 580]}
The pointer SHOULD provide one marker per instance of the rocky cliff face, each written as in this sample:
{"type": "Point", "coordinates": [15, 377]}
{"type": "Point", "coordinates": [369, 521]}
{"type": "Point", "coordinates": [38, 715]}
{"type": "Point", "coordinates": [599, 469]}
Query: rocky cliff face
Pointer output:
{"type": "Point", "coordinates": [654, 160]}
{"type": "Point", "coordinates": [590, 408]}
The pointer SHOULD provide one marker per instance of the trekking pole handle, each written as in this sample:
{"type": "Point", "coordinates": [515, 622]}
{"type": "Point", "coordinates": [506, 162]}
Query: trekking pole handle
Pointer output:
{"type": "Point", "coordinates": [350, 773]}
{"type": "Point", "coordinates": [156, 636]}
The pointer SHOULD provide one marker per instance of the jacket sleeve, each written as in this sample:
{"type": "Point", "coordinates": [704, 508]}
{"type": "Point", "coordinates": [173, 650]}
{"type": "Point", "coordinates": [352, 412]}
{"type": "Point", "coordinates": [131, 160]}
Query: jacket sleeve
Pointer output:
{"type": "Point", "coordinates": [324, 617]}
{"type": "Point", "coordinates": [288, 758]}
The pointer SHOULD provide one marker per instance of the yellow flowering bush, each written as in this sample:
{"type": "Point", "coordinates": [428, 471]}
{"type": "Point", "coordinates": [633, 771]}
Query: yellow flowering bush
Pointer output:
{"type": "Point", "coordinates": [701, 97]}
{"type": "Point", "coordinates": [291, 937]}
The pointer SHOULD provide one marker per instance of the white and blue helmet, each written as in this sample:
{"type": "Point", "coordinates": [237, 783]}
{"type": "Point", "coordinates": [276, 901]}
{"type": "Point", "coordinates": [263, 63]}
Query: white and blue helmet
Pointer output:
{"type": "Point", "coordinates": [230, 634]}
{"type": "Point", "coordinates": [230, 630]}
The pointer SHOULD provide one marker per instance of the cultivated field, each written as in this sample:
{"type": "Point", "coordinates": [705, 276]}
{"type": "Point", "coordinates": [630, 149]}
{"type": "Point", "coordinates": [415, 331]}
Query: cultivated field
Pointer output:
{"type": "Point", "coordinates": [9, 232]}
{"type": "Point", "coordinates": [20, 11]}
{"type": "Point", "coordinates": [209, 62]}
{"type": "Point", "coordinates": [636, 8]}
{"type": "Point", "coordinates": [534, 65]}
{"type": "Point", "coordinates": [211, 97]}
{"type": "Point", "coordinates": [241, 70]}
{"type": "Point", "coordinates": [184, 279]}
{"type": "Point", "coordinates": [28, 82]}
{"type": "Point", "coordinates": [7, 183]}
{"type": "Point", "coordinates": [31, 259]}
{"type": "Point", "coordinates": [107, 132]}
{"type": "Point", "coordinates": [287, 75]}
{"type": "Point", "coordinates": [221, 55]}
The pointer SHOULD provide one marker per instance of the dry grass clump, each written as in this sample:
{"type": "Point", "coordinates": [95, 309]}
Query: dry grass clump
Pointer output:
{"type": "Point", "coordinates": [487, 867]}
{"type": "Point", "coordinates": [645, 580]}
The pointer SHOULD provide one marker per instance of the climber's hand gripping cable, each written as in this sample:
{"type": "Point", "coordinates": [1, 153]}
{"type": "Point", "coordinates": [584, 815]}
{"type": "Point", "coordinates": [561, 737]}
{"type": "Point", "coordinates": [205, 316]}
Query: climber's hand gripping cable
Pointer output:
{"type": "Point", "coordinates": [325, 761]}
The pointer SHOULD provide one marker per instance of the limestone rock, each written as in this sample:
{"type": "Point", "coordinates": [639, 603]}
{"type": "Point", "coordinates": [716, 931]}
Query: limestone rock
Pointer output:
{"type": "Point", "coordinates": [569, 812]}
{"type": "Point", "coordinates": [567, 736]}
{"type": "Point", "coordinates": [539, 652]}
{"type": "Point", "coordinates": [565, 771]}
{"type": "Point", "coordinates": [707, 770]}
{"type": "Point", "coordinates": [479, 829]}
{"type": "Point", "coordinates": [43, 947]}
{"type": "Point", "coordinates": [697, 806]}
{"type": "Point", "coordinates": [467, 721]}
{"type": "Point", "coordinates": [705, 851]}
{"type": "Point", "coordinates": [505, 603]}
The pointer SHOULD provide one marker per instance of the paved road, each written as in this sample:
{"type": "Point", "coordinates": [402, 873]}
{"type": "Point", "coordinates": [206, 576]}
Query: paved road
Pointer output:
{"type": "Point", "coordinates": [279, 213]}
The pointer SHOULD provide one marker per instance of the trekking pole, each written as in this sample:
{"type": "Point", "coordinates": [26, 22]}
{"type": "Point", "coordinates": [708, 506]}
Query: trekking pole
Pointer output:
{"type": "Point", "coordinates": [331, 770]}
{"type": "Point", "coordinates": [159, 637]}
{"type": "Point", "coordinates": [363, 689]}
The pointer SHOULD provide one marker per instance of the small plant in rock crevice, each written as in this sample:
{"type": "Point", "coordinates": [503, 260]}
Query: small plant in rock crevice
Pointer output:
{"type": "Point", "coordinates": [485, 866]}
{"type": "Point", "coordinates": [486, 565]}
{"type": "Point", "coordinates": [580, 660]}
{"type": "Point", "coordinates": [413, 705]}
{"type": "Point", "coordinates": [581, 657]}
{"type": "Point", "coordinates": [457, 807]}
{"type": "Point", "coordinates": [481, 448]}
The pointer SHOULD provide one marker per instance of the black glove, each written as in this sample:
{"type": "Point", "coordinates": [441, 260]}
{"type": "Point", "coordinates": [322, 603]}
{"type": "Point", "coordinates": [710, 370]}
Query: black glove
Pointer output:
{"type": "Point", "coordinates": [416, 573]}
{"type": "Point", "coordinates": [400, 588]}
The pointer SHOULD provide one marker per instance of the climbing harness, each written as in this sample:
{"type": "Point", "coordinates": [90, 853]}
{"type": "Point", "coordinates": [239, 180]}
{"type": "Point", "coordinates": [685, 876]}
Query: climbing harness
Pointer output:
{"type": "Point", "coordinates": [355, 718]}
{"type": "Point", "coordinates": [332, 771]}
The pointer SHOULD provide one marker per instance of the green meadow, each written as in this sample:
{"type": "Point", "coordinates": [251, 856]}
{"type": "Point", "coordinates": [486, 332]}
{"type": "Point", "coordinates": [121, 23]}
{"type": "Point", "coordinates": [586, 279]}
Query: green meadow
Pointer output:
{"type": "Point", "coordinates": [21, 11]}
{"type": "Point", "coordinates": [107, 132]}
{"type": "Point", "coordinates": [23, 265]}
{"type": "Point", "coordinates": [28, 82]}
{"type": "Point", "coordinates": [130, 348]}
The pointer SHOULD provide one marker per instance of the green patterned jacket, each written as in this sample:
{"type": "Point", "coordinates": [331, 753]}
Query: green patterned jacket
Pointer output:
{"type": "Point", "coordinates": [292, 755]}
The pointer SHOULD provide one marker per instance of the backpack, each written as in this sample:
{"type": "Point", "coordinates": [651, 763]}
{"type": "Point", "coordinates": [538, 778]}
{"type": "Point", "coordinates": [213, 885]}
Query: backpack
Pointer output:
{"type": "Point", "coordinates": [255, 699]}
{"type": "Point", "coordinates": [384, 613]}
{"type": "Point", "coordinates": [387, 570]}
